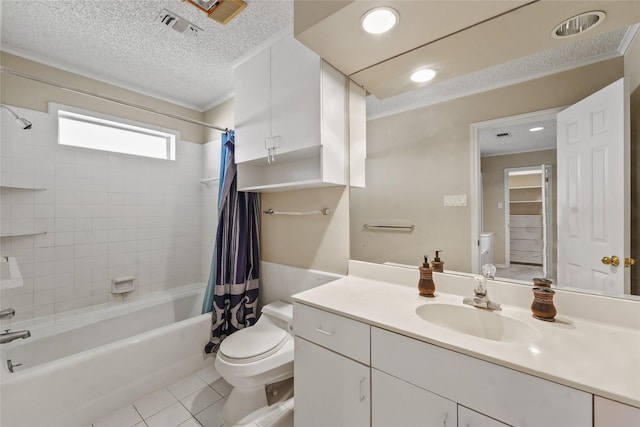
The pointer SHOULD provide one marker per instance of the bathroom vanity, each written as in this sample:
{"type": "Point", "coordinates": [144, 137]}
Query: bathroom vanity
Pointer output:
{"type": "Point", "coordinates": [369, 351]}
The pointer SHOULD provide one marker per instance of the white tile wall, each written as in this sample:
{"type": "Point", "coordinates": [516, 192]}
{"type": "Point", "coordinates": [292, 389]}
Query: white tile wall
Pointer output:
{"type": "Point", "coordinates": [280, 282]}
{"type": "Point", "coordinates": [106, 215]}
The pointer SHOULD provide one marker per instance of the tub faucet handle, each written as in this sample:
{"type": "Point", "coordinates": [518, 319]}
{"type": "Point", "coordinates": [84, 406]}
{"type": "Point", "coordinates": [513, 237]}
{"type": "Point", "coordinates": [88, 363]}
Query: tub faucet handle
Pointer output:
{"type": "Point", "coordinates": [7, 313]}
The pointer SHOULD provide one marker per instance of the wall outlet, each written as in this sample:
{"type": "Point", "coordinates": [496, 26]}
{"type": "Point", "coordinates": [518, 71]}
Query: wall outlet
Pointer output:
{"type": "Point", "coordinates": [455, 200]}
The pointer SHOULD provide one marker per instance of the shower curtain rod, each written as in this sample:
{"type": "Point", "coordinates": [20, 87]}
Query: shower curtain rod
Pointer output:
{"type": "Point", "coordinates": [107, 98]}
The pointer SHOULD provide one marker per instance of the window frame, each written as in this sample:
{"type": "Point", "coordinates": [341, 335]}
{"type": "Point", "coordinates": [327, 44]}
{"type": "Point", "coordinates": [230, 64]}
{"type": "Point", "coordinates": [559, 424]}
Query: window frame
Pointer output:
{"type": "Point", "coordinates": [172, 137]}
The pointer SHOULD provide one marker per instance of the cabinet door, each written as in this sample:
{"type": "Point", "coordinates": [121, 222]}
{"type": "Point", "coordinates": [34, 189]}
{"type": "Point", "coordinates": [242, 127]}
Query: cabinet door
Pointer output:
{"type": "Point", "coordinates": [397, 403]}
{"type": "Point", "coordinates": [251, 104]}
{"type": "Point", "coordinates": [607, 413]}
{"type": "Point", "coordinates": [295, 96]}
{"type": "Point", "coordinates": [330, 390]}
{"type": "Point", "coordinates": [469, 418]}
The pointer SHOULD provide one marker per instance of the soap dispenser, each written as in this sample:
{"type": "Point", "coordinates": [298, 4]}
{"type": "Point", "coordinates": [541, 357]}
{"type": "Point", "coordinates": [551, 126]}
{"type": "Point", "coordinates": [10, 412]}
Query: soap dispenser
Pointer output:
{"type": "Point", "coordinates": [436, 264]}
{"type": "Point", "coordinates": [426, 287]}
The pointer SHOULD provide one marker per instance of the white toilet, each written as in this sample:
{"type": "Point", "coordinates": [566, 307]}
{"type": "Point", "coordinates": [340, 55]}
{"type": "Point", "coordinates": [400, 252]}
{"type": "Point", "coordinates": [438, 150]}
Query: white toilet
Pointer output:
{"type": "Point", "coordinates": [254, 357]}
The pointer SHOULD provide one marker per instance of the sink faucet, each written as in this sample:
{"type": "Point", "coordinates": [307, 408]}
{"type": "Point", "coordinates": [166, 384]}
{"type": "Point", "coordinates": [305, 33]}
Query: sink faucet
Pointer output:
{"type": "Point", "coordinates": [7, 336]}
{"type": "Point", "coordinates": [480, 297]}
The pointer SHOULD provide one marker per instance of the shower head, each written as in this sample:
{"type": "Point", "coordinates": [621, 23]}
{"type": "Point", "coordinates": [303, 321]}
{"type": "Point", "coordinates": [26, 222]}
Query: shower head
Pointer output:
{"type": "Point", "coordinates": [24, 123]}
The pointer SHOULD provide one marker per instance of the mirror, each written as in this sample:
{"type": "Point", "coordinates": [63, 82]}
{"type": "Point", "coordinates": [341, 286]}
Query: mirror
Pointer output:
{"type": "Point", "coordinates": [421, 177]}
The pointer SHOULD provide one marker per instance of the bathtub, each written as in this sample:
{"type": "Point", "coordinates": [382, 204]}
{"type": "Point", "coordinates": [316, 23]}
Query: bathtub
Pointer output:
{"type": "Point", "coordinates": [80, 367]}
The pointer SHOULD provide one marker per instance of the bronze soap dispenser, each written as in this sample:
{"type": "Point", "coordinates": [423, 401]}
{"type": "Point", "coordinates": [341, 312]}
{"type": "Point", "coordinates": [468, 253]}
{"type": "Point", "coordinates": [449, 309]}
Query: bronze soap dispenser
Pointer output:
{"type": "Point", "coordinates": [426, 287]}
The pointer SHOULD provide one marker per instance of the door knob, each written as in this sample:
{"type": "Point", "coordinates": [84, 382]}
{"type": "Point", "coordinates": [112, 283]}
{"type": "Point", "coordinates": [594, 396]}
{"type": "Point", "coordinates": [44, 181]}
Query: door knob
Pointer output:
{"type": "Point", "coordinates": [629, 262]}
{"type": "Point", "coordinates": [614, 261]}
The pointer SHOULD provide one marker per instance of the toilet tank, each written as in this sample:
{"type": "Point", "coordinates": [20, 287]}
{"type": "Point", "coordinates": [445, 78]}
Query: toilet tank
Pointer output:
{"type": "Point", "coordinates": [486, 248]}
{"type": "Point", "coordinates": [280, 313]}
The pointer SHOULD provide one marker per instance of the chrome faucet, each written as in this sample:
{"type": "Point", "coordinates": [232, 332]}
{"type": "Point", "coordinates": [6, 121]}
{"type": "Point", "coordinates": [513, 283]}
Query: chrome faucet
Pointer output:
{"type": "Point", "coordinates": [7, 336]}
{"type": "Point", "coordinates": [480, 297]}
{"type": "Point", "coordinates": [7, 313]}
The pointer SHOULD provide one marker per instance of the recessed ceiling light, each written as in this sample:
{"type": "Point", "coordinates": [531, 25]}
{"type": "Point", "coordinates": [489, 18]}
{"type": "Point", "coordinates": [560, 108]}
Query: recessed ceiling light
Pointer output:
{"type": "Point", "coordinates": [380, 20]}
{"type": "Point", "coordinates": [536, 129]}
{"type": "Point", "coordinates": [423, 75]}
{"type": "Point", "coordinates": [578, 24]}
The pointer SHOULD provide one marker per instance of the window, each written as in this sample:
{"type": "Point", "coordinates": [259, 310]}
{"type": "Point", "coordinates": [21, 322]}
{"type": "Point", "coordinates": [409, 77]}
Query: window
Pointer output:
{"type": "Point", "coordinates": [85, 129]}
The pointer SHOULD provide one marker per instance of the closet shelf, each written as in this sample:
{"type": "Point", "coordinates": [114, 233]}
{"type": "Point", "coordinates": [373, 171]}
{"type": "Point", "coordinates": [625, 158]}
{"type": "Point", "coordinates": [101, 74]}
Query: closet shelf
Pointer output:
{"type": "Point", "coordinates": [525, 201]}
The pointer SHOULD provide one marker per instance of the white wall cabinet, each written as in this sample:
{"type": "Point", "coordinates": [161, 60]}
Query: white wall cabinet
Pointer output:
{"type": "Point", "coordinates": [291, 120]}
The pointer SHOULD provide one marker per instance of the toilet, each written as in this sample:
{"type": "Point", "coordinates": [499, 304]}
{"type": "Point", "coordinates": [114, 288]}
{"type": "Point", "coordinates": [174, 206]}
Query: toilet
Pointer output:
{"type": "Point", "coordinates": [254, 357]}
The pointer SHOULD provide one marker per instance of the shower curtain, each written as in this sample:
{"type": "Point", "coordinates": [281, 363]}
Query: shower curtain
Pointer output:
{"type": "Point", "coordinates": [232, 293]}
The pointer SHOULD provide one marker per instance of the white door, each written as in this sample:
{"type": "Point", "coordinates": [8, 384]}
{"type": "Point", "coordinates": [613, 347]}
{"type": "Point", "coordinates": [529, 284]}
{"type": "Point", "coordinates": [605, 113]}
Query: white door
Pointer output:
{"type": "Point", "coordinates": [592, 193]}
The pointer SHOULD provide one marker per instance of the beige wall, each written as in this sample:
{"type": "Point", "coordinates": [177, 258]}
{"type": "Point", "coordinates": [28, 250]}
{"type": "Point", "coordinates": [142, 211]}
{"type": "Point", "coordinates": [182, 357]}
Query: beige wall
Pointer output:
{"type": "Point", "coordinates": [26, 93]}
{"type": "Point", "coordinates": [222, 116]}
{"type": "Point", "coordinates": [493, 192]}
{"type": "Point", "coordinates": [310, 241]}
{"type": "Point", "coordinates": [416, 157]}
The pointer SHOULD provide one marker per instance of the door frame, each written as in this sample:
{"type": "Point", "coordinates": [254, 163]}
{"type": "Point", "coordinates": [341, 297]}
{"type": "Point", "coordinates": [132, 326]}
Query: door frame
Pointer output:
{"type": "Point", "coordinates": [476, 176]}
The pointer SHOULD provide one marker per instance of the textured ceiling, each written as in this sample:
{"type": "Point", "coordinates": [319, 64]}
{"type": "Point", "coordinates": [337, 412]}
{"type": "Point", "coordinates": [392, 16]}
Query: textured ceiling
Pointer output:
{"type": "Point", "coordinates": [118, 41]}
{"type": "Point", "coordinates": [520, 139]}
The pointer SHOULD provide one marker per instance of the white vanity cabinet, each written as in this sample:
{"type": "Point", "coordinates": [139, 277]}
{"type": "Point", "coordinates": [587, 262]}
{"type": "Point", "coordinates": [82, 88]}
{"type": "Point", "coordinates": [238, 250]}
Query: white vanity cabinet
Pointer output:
{"type": "Point", "coordinates": [331, 371]}
{"type": "Point", "coordinates": [469, 418]}
{"type": "Point", "coordinates": [500, 393]}
{"type": "Point", "coordinates": [291, 120]}
{"type": "Point", "coordinates": [607, 413]}
{"type": "Point", "coordinates": [398, 403]}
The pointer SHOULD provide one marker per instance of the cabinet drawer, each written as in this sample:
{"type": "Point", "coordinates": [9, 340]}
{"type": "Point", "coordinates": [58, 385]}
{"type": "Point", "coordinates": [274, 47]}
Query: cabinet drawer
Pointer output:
{"type": "Point", "coordinates": [512, 397]}
{"type": "Point", "coordinates": [526, 245]}
{"type": "Point", "coordinates": [345, 336]}
{"type": "Point", "coordinates": [609, 413]}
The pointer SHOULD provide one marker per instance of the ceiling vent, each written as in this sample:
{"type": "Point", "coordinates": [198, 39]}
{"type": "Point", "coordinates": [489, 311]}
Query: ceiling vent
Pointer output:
{"type": "Point", "coordinates": [177, 23]}
{"type": "Point", "coordinates": [503, 135]}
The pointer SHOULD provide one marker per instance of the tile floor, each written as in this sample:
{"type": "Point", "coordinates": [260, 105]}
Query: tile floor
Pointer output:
{"type": "Point", "coordinates": [194, 401]}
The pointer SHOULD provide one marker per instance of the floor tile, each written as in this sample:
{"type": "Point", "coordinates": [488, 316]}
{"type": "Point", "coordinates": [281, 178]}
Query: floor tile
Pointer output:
{"type": "Point", "coordinates": [172, 416]}
{"type": "Point", "coordinates": [191, 422]}
{"type": "Point", "coordinates": [198, 401]}
{"type": "Point", "coordinates": [186, 386]}
{"type": "Point", "coordinates": [154, 403]}
{"type": "Point", "coordinates": [211, 416]}
{"type": "Point", "coordinates": [222, 387]}
{"type": "Point", "coordinates": [124, 417]}
{"type": "Point", "coordinates": [209, 374]}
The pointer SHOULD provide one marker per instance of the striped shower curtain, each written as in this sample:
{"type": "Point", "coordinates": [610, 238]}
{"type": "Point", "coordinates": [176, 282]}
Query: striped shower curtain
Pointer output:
{"type": "Point", "coordinates": [232, 294]}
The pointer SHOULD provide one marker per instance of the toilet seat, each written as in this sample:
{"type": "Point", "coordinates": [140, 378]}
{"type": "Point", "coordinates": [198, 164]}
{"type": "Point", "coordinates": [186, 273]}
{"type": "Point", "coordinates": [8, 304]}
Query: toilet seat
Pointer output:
{"type": "Point", "coordinates": [253, 343]}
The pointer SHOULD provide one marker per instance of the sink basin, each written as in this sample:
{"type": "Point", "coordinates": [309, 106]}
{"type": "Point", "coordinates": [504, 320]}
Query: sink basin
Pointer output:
{"type": "Point", "coordinates": [478, 323]}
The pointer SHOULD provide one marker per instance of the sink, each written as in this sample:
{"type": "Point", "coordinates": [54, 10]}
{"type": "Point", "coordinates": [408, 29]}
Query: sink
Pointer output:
{"type": "Point", "coordinates": [478, 322]}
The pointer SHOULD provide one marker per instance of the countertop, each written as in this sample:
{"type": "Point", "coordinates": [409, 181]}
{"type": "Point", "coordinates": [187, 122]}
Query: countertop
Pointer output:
{"type": "Point", "coordinates": [590, 356]}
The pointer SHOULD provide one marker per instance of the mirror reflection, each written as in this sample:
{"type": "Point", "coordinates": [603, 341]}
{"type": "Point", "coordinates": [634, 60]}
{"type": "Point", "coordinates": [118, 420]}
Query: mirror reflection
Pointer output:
{"type": "Point", "coordinates": [425, 190]}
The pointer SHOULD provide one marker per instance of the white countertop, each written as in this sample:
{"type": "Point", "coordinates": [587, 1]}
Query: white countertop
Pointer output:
{"type": "Point", "coordinates": [594, 357]}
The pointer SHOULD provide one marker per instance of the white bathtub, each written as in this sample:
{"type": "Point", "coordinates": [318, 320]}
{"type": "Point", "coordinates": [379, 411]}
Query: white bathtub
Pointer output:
{"type": "Point", "coordinates": [82, 367]}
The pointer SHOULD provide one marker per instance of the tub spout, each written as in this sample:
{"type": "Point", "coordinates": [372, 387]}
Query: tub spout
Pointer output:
{"type": "Point", "coordinates": [7, 336]}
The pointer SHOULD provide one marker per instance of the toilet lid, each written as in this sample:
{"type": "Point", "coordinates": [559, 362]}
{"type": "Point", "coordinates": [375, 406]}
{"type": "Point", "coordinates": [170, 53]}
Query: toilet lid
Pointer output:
{"type": "Point", "coordinates": [254, 343]}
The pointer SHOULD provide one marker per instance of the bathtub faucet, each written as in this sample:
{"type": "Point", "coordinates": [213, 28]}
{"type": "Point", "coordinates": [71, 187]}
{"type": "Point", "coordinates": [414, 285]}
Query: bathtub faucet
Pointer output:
{"type": "Point", "coordinates": [7, 313]}
{"type": "Point", "coordinates": [7, 336]}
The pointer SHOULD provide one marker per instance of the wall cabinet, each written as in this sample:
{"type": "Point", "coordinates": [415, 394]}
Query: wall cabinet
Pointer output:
{"type": "Point", "coordinates": [415, 383]}
{"type": "Point", "coordinates": [291, 120]}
